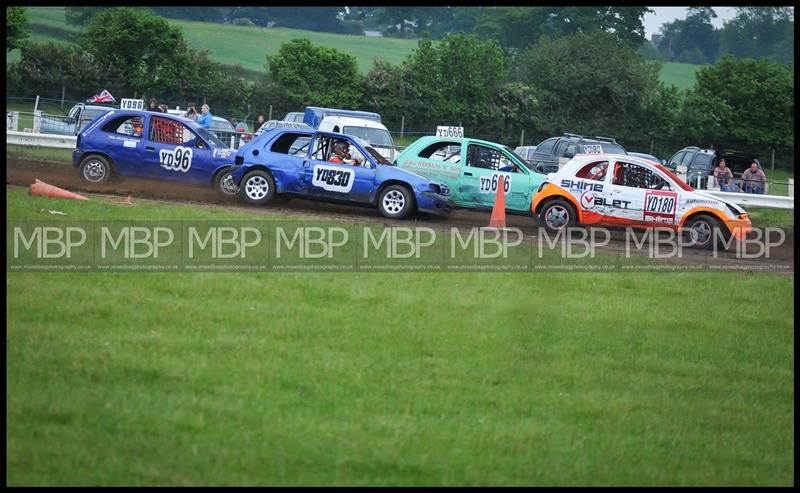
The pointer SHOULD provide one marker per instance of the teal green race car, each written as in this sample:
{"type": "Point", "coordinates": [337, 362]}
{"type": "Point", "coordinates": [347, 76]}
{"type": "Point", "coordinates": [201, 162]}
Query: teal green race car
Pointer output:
{"type": "Point", "coordinates": [470, 169]}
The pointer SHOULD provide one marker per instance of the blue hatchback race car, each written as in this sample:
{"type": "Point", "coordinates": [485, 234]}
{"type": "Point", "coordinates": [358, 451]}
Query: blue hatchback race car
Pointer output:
{"type": "Point", "coordinates": [333, 167]}
{"type": "Point", "coordinates": [152, 145]}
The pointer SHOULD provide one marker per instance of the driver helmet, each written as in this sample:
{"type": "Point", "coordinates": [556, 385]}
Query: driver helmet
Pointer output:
{"type": "Point", "coordinates": [341, 148]}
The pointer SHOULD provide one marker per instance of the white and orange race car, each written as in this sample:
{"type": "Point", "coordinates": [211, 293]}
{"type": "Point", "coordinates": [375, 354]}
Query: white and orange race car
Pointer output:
{"type": "Point", "coordinates": [626, 191]}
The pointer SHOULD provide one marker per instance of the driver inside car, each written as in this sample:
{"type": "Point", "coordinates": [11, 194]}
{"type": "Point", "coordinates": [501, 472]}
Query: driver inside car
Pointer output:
{"type": "Point", "coordinates": [341, 154]}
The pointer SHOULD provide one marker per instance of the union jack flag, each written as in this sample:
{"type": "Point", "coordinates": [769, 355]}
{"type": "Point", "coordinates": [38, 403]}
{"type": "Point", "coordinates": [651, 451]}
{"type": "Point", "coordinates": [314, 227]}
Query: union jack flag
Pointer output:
{"type": "Point", "coordinates": [103, 97]}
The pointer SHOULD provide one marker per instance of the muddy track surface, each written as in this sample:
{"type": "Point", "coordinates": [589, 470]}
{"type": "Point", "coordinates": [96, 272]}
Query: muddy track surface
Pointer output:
{"type": "Point", "coordinates": [23, 172]}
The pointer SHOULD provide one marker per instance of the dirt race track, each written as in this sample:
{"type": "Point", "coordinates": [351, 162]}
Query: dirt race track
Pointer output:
{"type": "Point", "coordinates": [24, 172]}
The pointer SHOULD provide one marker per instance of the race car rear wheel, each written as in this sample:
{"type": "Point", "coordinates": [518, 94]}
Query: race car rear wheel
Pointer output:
{"type": "Point", "coordinates": [257, 188]}
{"type": "Point", "coordinates": [95, 169]}
{"type": "Point", "coordinates": [703, 232]}
{"type": "Point", "coordinates": [557, 214]}
{"type": "Point", "coordinates": [224, 184]}
{"type": "Point", "coordinates": [396, 202]}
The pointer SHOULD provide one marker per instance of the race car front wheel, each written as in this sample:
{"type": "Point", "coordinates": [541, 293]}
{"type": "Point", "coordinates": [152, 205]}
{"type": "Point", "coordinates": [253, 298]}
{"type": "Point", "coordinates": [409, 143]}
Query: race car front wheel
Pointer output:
{"type": "Point", "coordinates": [704, 232]}
{"type": "Point", "coordinates": [95, 169]}
{"type": "Point", "coordinates": [257, 188]}
{"type": "Point", "coordinates": [225, 185]}
{"type": "Point", "coordinates": [557, 215]}
{"type": "Point", "coordinates": [396, 202]}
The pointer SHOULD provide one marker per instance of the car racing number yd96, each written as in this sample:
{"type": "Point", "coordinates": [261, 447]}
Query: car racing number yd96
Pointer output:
{"type": "Point", "coordinates": [178, 159]}
{"type": "Point", "coordinates": [489, 184]}
{"type": "Point", "coordinates": [333, 179]}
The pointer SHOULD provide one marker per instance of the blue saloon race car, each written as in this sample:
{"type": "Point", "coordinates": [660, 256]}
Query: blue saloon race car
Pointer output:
{"type": "Point", "coordinates": [152, 145]}
{"type": "Point", "coordinates": [286, 162]}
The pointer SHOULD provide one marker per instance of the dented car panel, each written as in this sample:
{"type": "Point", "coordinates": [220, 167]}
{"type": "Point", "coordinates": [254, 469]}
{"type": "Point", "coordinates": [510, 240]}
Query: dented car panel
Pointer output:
{"type": "Point", "coordinates": [298, 162]}
{"type": "Point", "coordinates": [623, 190]}
{"type": "Point", "coordinates": [471, 169]}
{"type": "Point", "coordinates": [154, 145]}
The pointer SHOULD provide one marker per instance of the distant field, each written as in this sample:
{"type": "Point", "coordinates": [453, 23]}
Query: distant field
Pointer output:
{"type": "Point", "coordinates": [249, 46]}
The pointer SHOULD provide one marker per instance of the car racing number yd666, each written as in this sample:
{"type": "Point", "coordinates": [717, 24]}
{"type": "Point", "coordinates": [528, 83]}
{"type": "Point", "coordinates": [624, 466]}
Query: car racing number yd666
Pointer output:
{"type": "Point", "coordinates": [333, 179]}
{"type": "Point", "coordinates": [489, 184]}
{"type": "Point", "coordinates": [178, 159]}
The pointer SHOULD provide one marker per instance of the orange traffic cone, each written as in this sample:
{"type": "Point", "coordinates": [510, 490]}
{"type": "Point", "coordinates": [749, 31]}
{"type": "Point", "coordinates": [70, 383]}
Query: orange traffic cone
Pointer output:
{"type": "Point", "coordinates": [45, 190]}
{"type": "Point", "coordinates": [498, 219]}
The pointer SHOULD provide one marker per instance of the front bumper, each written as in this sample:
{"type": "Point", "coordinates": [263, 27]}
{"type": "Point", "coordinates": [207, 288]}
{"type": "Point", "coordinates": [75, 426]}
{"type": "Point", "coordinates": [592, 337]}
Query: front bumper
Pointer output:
{"type": "Point", "coordinates": [434, 203]}
{"type": "Point", "coordinates": [739, 227]}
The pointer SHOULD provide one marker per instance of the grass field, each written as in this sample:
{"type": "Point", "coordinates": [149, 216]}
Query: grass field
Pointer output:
{"type": "Point", "coordinates": [225, 43]}
{"type": "Point", "coordinates": [393, 379]}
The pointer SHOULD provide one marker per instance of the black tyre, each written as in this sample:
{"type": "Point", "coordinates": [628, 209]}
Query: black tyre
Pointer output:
{"type": "Point", "coordinates": [557, 215]}
{"type": "Point", "coordinates": [396, 202]}
{"type": "Point", "coordinates": [703, 231]}
{"type": "Point", "coordinates": [223, 183]}
{"type": "Point", "coordinates": [95, 169]}
{"type": "Point", "coordinates": [257, 187]}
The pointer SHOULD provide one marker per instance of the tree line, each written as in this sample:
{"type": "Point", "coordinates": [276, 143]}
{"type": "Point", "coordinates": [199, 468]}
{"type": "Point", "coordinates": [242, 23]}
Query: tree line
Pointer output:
{"type": "Point", "coordinates": [589, 82]}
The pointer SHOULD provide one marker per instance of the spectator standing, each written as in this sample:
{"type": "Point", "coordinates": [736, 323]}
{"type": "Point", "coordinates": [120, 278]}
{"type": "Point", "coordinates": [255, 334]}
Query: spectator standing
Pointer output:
{"type": "Point", "coordinates": [259, 121]}
{"type": "Point", "coordinates": [206, 119]}
{"type": "Point", "coordinates": [191, 112]}
{"type": "Point", "coordinates": [152, 105]}
{"type": "Point", "coordinates": [162, 108]}
{"type": "Point", "coordinates": [723, 176]}
{"type": "Point", "coordinates": [753, 179]}
{"type": "Point", "coordinates": [239, 126]}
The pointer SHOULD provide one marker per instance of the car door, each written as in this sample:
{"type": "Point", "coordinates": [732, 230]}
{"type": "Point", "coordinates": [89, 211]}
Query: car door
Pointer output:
{"type": "Point", "coordinates": [338, 181]}
{"type": "Point", "coordinates": [481, 177]}
{"type": "Point", "coordinates": [635, 194]}
{"type": "Point", "coordinates": [173, 151]}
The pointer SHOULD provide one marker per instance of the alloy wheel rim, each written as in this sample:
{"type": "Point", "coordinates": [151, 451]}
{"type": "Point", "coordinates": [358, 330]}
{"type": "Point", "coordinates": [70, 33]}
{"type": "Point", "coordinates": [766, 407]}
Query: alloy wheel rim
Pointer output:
{"type": "Point", "coordinates": [257, 188]}
{"type": "Point", "coordinates": [557, 217]}
{"type": "Point", "coordinates": [94, 171]}
{"type": "Point", "coordinates": [394, 202]}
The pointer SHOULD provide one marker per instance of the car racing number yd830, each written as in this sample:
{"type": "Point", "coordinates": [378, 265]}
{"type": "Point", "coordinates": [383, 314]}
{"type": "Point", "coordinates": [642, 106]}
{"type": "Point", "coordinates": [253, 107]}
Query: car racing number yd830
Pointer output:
{"type": "Point", "coordinates": [333, 179]}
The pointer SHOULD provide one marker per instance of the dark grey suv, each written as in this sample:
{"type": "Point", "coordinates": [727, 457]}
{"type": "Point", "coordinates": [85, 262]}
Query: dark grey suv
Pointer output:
{"type": "Point", "coordinates": [554, 152]}
{"type": "Point", "coordinates": [700, 163]}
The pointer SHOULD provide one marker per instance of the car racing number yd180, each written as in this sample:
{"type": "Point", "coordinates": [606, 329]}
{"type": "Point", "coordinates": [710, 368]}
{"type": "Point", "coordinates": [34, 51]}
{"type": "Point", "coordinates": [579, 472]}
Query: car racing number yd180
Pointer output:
{"type": "Point", "coordinates": [333, 179]}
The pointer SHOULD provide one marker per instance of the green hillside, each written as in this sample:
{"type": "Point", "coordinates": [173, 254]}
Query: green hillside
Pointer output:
{"type": "Point", "coordinates": [248, 46]}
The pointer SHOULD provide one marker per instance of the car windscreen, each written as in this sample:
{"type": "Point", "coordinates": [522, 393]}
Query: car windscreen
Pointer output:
{"type": "Point", "coordinates": [210, 138]}
{"type": "Point", "coordinates": [675, 178]}
{"type": "Point", "coordinates": [375, 136]}
{"type": "Point", "coordinates": [520, 161]}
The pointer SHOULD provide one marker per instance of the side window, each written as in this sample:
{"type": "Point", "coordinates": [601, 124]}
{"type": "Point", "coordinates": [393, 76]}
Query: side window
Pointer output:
{"type": "Point", "coordinates": [546, 147]}
{"type": "Point", "coordinates": [131, 126]}
{"type": "Point", "coordinates": [633, 175]}
{"type": "Point", "coordinates": [165, 131]}
{"type": "Point", "coordinates": [442, 151]}
{"type": "Point", "coordinates": [484, 157]}
{"type": "Point", "coordinates": [676, 160]}
{"type": "Point", "coordinates": [570, 150]}
{"type": "Point", "coordinates": [290, 144]}
{"type": "Point", "coordinates": [322, 148]}
{"type": "Point", "coordinates": [593, 171]}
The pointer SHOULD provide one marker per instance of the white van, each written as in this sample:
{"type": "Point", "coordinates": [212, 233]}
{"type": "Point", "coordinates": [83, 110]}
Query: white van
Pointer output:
{"type": "Point", "coordinates": [364, 125]}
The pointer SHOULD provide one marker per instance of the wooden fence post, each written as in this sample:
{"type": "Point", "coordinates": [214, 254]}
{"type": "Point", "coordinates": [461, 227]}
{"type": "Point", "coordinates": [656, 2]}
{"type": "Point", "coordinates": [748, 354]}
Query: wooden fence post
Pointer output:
{"type": "Point", "coordinates": [402, 125]}
{"type": "Point", "coordinates": [522, 138]}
